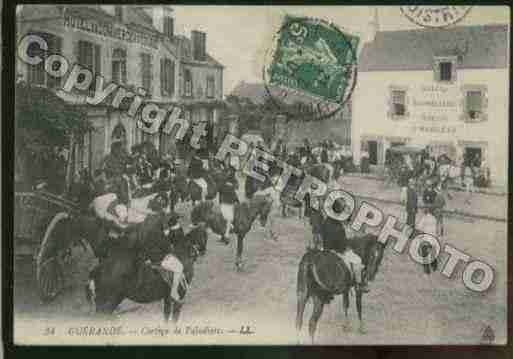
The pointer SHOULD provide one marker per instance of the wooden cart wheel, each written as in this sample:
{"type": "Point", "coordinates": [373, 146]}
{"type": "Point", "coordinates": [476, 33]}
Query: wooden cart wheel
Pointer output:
{"type": "Point", "coordinates": [50, 275]}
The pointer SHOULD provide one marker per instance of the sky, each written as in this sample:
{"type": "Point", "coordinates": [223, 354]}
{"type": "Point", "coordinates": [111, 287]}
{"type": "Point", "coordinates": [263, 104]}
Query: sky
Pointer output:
{"type": "Point", "coordinates": [240, 36]}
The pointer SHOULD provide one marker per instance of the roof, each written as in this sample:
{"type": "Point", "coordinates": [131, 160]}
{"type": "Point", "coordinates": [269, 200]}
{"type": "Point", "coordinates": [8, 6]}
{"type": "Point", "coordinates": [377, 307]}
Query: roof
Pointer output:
{"type": "Point", "coordinates": [480, 46]}
{"type": "Point", "coordinates": [257, 93]}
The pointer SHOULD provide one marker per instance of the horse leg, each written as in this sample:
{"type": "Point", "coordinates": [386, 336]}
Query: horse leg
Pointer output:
{"type": "Point", "coordinates": [167, 308]}
{"type": "Point", "coordinates": [240, 247]}
{"type": "Point", "coordinates": [346, 326]}
{"type": "Point", "coordinates": [358, 296]}
{"type": "Point", "coordinates": [177, 308]}
{"type": "Point", "coordinates": [303, 294]}
{"type": "Point", "coordinates": [318, 306]}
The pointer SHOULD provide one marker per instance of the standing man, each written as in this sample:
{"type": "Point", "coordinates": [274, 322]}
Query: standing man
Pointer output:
{"type": "Point", "coordinates": [197, 174]}
{"type": "Point", "coordinates": [402, 181]}
{"type": "Point", "coordinates": [227, 200]}
{"type": "Point", "coordinates": [438, 210]}
{"type": "Point", "coordinates": [429, 195]}
{"type": "Point", "coordinates": [411, 203]}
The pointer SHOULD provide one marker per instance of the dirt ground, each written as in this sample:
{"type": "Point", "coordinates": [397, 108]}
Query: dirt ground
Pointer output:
{"type": "Point", "coordinates": [405, 306]}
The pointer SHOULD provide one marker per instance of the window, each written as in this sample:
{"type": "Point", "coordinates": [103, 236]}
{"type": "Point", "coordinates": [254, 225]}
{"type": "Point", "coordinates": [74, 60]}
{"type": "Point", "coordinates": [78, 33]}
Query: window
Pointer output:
{"type": "Point", "coordinates": [444, 68]}
{"type": "Point", "coordinates": [119, 66]}
{"type": "Point", "coordinates": [89, 56]}
{"type": "Point", "coordinates": [187, 115]}
{"type": "Point", "coordinates": [146, 71]}
{"type": "Point", "coordinates": [118, 13]}
{"type": "Point", "coordinates": [169, 26]}
{"type": "Point", "coordinates": [36, 74]}
{"type": "Point", "coordinates": [187, 83]}
{"type": "Point", "coordinates": [210, 87]}
{"type": "Point", "coordinates": [167, 77]}
{"type": "Point", "coordinates": [474, 103]}
{"type": "Point", "coordinates": [399, 103]}
{"type": "Point", "coordinates": [210, 115]}
{"type": "Point", "coordinates": [198, 45]}
{"type": "Point", "coordinates": [445, 71]}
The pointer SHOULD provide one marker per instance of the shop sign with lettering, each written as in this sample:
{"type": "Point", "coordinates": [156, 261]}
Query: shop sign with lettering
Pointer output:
{"type": "Point", "coordinates": [113, 31]}
{"type": "Point", "coordinates": [435, 103]}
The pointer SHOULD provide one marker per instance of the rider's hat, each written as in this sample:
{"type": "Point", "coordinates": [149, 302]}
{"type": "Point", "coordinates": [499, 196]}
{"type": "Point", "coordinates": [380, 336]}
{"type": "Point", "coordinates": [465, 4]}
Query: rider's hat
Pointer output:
{"type": "Point", "coordinates": [172, 220]}
{"type": "Point", "coordinates": [338, 206]}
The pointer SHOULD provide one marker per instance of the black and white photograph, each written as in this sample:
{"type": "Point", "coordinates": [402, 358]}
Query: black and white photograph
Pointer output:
{"type": "Point", "coordinates": [260, 175]}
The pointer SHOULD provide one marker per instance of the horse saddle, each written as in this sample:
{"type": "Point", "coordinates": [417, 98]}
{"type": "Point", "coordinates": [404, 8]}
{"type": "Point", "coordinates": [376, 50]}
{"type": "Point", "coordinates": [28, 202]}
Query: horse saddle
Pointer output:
{"type": "Point", "coordinates": [330, 271]}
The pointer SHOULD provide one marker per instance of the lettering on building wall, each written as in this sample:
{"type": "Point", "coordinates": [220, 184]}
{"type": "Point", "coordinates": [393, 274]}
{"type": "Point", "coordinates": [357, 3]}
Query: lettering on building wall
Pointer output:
{"type": "Point", "coordinates": [111, 30]}
{"type": "Point", "coordinates": [435, 103]}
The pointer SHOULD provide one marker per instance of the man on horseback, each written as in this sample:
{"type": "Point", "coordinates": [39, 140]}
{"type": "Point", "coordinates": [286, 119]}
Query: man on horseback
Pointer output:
{"type": "Point", "coordinates": [334, 238]}
{"type": "Point", "coordinates": [197, 174]}
{"type": "Point", "coordinates": [159, 249]}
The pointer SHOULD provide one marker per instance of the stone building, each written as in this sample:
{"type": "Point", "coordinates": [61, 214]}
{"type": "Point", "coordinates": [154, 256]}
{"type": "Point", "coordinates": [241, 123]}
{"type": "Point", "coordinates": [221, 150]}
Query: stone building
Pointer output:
{"type": "Point", "coordinates": [133, 46]}
{"type": "Point", "coordinates": [444, 88]}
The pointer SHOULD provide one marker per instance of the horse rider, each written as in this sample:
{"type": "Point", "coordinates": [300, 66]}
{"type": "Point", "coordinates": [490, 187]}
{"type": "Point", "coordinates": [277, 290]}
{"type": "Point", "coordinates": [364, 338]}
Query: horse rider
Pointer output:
{"type": "Point", "coordinates": [227, 200]}
{"type": "Point", "coordinates": [197, 174]}
{"type": "Point", "coordinates": [324, 153]}
{"type": "Point", "coordinates": [112, 208]}
{"type": "Point", "coordinates": [305, 152]}
{"type": "Point", "coordinates": [144, 169]}
{"type": "Point", "coordinates": [333, 234]}
{"type": "Point", "coordinates": [159, 249]}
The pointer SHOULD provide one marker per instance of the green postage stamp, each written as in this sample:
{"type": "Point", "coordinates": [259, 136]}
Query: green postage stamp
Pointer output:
{"type": "Point", "coordinates": [314, 58]}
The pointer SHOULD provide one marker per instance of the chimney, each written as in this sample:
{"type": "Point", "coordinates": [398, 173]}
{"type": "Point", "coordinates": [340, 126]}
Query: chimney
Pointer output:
{"type": "Point", "coordinates": [373, 24]}
{"type": "Point", "coordinates": [157, 17]}
{"type": "Point", "coordinates": [199, 45]}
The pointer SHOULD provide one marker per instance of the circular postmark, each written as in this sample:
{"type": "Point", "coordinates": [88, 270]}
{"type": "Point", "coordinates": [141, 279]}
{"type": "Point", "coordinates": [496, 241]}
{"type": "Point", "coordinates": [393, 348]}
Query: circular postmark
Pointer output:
{"type": "Point", "coordinates": [435, 16]}
{"type": "Point", "coordinates": [310, 72]}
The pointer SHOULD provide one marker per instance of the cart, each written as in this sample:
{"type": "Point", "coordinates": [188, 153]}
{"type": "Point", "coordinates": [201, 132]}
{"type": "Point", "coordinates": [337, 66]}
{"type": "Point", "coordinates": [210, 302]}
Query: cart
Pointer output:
{"type": "Point", "coordinates": [42, 230]}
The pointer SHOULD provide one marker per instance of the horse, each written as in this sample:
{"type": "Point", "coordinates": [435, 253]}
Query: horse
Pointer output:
{"type": "Point", "coordinates": [125, 275]}
{"type": "Point", "coordinates": [319, 171]}
{"type": "Point", "coordinates": [245, 214]}
{"type": "Point", "coordinates": [214, 179]}
{"type": "Point", "coordinates": [322, 275]}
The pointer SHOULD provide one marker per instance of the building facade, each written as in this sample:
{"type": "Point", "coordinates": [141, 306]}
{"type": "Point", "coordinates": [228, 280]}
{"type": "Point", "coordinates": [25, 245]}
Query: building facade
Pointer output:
{"type": "Point", "coordinates": [447, 89]}
{"type": "Point", "coordinates": [133, 46]}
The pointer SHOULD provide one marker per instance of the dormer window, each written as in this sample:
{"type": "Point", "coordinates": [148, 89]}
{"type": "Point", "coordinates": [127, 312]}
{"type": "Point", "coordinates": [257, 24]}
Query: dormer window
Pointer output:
{"type": "Point", "coordinates": [118, 13]}
{"type": "Point", "coordinates": [445, 69]}
{"type": "Point", "coordinates": [169, 26]}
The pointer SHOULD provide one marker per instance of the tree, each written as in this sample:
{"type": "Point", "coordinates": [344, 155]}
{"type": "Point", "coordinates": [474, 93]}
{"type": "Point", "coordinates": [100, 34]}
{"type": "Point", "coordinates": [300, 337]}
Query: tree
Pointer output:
{"type": "Point", "coordinates": [43, 123]}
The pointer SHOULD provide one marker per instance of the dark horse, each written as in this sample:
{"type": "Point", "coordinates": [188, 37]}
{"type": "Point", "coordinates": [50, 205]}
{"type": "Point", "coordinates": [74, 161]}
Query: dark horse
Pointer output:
{"type": "Point", "coordinates": [124, 274]}
{"type": "Point", "coordinates": [214, 179]}
{"type": "Point", "coordinates": [323, 275]}
{"type": "Point", "coordinates": [245, 214]}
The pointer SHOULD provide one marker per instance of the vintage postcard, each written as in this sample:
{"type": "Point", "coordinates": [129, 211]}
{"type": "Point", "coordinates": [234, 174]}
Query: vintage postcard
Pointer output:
{"type": "Point", "coordinates": [280, 175]}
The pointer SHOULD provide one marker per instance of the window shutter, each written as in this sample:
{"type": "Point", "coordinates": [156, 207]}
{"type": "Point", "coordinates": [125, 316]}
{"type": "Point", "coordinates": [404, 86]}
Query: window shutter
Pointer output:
{"type": "Point", "coordinates": [163, 90]}
{"type": "Point", "coordinates": [182, 82]}
{"type": "Point", "coordinates": [436, 71]}
{"type": "Point", "coordinates": [171, 79]}
{"type": "Point", "coordinates": [76, 51]}
{"type": "Point", "coordinates": [97, 59]}
{"type": "Point", "coordinates": [484, 103]}
{"type": "Point", "coordinates": [55, 48]}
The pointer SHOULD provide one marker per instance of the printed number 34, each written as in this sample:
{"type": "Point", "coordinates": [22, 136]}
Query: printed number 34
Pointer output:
{"type": "Point", "coordinates": [49, 331]}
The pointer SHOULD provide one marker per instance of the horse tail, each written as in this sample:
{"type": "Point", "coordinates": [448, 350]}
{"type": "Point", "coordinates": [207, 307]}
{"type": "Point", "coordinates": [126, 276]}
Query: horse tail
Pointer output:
{"type": "Point", "coordinates": [302, 276]}
{"type": "Point", "coordinates": [90, 290]}
{"type": "Point", "coordinates": [308, 279]}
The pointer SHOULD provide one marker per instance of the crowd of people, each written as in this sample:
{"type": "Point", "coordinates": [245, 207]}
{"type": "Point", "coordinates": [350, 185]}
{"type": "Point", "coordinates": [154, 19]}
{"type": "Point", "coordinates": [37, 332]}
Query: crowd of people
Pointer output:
{"type": "Point", "coordinates": [469, 172]}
